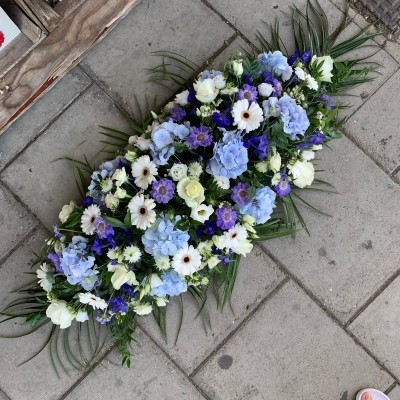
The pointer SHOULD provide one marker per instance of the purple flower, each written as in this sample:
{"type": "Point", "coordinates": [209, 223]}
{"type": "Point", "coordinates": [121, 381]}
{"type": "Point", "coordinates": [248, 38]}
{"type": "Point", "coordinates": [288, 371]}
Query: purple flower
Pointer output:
{"type": "Point", "coordinates": [326, 101]}
{"type": "Point", "coordinates": [200, 136]}
{"type": "Point", "coordinates": [257, 145]}
{"type": "Point", "coordinates": [314, 139]}
{"type": "Point", "coordinates": [128, 290]}
{"type": "Point", "coordinates": [99, 245]}
{"type": "Point", "coordinates": [294, 57]}
{"type": "Point", "coordinates": [163, 190]}
{"type": "Point", "coordinates": [240, 193]}
{"type": "Point", "coordinates": [247, 79]}
{"type": "Point", "coordinates": [247, 93]}
{"type": "Point", "coordinates": [283, 187]}
{"type": "Point", "coordinates": [226, 218]}
{"type": "Point", "coordinates": [210, 227]}
{"type": "Point", "coordinates": [102, 228]}
{"type": "Point", "coordinates": [118, 305]}
{"type": "Point", "coordinates": [103, 317]}
{"type": "Point", "coordinates": [221, 119]}
{"type": "Point", "coordinates": [192, 96]}
{"type": "Point", "coordinates": [268, 77]}
{"type": "Point", "coordinates": [87, 201]}
{"type": "Point", "coordinates": [57, 233]}
{"type": "Point", "coordinates": [55, 259]}
{"type": "Point", "coordinates": [177, 113]}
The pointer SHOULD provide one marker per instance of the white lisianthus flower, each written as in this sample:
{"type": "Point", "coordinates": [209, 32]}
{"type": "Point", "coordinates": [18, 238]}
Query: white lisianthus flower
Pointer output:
{"type": "Point", "coordinates": [60, 314]}
{"type": "Point", "coordinates": [132, 254]}
{"type": "Point", "coordinates": [170, 105]}
{"type": "Point", "coordinates": [219, 81]}
{"type": "Point", "coordinates": [112, 201]}
{"type": "Point", "coordinates": [326, 68]}
{"type": "Point", "coordinates": [262, 166]}
{"type": "Point", "coordinates": [186, 261]}
{"type": "Point", "coordinates": [182, 98]}
{"type": "Point", "coordinates": [161, 301]}
{"type": "Point", "coordinates": [317, 147]}
{"type": "Point", "coordinates": [144, 171]}
{"type": "Point", "coordinates": [132, 139]}
{"type": "Point", "coordinates": [275, 162]}
{"type": "Point", "coordinates": [219, 241]}
{"type": "Point", "coordinates": [204, 111]}
{"type": "Point", "coordinates": [163, 263]}
{"type": "Point", "coordinates": [178, 172]}
{"type": "Point", "coordinates": [123, 275]}
{"type": "Point", "coordinates": [307, 155]}
{"type": "Point", "coordinates": [115, 254]}
{"type": "Point", "coordinates": [287, 73]}
{"type": "Point", "coordinates": [191, 191]}
{"type": "Point", "coordinates": [276, 179]}
{"type": "Point", "coordinates": [229, 89]}
{"type": "Point", "coordinates": [88, 217]}
{"type": "Point", "coordinates": [92, 300]}
{"type": "Point", "coordinates": [142, 213]}
{"type": "Point", "coordinates": [120, 177]}
{"type": "Point", "coordinates": [302, 173]}
{"type": "Point", "coordinates": [142, 309]}
{"type": "Point", "coordinates": [195, 169]}
{"type": "Point", "coordinates": [206, 92]}
{"type": "Point", "coordinates": [247, 117]}
{"type": "Point", "coordinates": [82, 316]}
{"type": "Point", "coordinates": [131, 155]}
{"type": "Point", "coordinates": [237, 68]}
{"type": "Point", "coordinates": [45, 276]}
{"type": "Point", "coordinates": [143, 143]}
{"type": "Point", "coordinates": [222, 182]}
{"type": "Point", "coordinates": [120, 193]}
{"type": "Point", "coordinates": [213, 261]}
{"type": "Point", "coordinates": [249, 222]}
{"type": "Point", "coordinates": [66, 211]}
{"type": "Point", "coordinates": [265, 89]}
{"type": "Point", "coordinates": [201, 213]}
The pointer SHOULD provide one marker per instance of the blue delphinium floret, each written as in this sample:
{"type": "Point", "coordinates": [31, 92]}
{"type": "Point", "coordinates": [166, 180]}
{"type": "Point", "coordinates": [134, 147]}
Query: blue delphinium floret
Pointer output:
{"type": "Point", "coordinates": [163, 239]}
{"type": "Point", "coordinates": [118, 305]}
{"type": "Point", "coordinates": [261, 205]}
{"type": "Point", "coordinates": [230, 157]}
{"type": "Point", "coordinates": [172, 285]}
{"type": "Point", "coordinates": [257, 145]}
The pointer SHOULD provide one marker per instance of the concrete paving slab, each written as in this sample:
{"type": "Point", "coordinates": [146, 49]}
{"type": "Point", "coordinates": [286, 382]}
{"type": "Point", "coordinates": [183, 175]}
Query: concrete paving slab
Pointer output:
{"type": "Point", "coordinates": [35, 380]}
{"type": "Point", "coordinates": [121, 59]}
{"type": "Point", "coordinates": [375, 126]}
{"type": "Point", "coordinates": [290, 349]}
{"type": "Point", "coordinates": [250, 16]}
{"type": "Point", "coordinates": [257, 277]}
{"type": "Point", "coordinates": [379, 324]}
{"type": "Point", "coordinates": [74, 134]}
{"type": "Point", "coordinates": [393, 48]}
{"type": "Point", "coordinates": [351, 254]}
{"type": "Point", "coordinates": [151, 376]}
{"type": "Point", "coordinates": [395, 393]}
{"type": "Point", "coordinates": [16, 222]}
{"type": "Point", "coordinates": [27, 127]}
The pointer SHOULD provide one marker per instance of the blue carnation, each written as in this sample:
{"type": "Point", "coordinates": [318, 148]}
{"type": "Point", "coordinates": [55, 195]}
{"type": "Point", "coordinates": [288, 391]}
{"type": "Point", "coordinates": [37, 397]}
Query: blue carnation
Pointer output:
{"type": "Point", "coordinates": [172, 285]}
{"type": "Point", "coordinates": [162, 239]}
{"type": "Point", "coordinates": [261, 205]}
{"type": "Point", "coordinates": [77, 265]}
{"type": "Point", "coordinates": [275, 62]}
{"type": "Point", "coordinates": [230, 157]}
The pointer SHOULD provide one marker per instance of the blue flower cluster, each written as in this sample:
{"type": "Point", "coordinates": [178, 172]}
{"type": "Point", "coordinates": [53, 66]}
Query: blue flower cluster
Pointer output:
{"type": "Point", "coordinates": [230, 156]}
{"type": "Point", "coordinates": [293, 116]}
{"type": "Point", "coordinates": [162, 239]}
{"type": "Point", "coordinates": [172, 285]}
{"type": "Point", "coordinates": [77, 265]}
{"type": "Point", "coordinates": [275, 62]}
{"type": "Point", "coordinates": [261, 205]}
{"type": "Point", "coordinates": [162, 140]}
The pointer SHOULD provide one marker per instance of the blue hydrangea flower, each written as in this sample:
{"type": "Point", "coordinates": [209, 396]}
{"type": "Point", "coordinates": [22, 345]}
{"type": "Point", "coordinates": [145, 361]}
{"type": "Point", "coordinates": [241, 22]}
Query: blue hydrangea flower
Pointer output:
{"type": "Point", "coordinates": [293, 116]}
{"type": "Point", "coordinates": [261, 205]}
{"type": "Point", "coordinates": [230, 157]}
{"type": "Point", "coordinates": [208, 75]}
{"type": "Point", "coordinates": [172, 285]}
{"type": "Point", "coordinates": [162, 239]}
{"type": "Point", "coordinates": [77, 265]}
{"type": "Point", "coordinates": [275, 62]}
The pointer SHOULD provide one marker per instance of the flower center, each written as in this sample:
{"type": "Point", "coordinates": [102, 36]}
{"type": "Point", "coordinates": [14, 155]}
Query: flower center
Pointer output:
{"type": "Point", "coordinates": [186, 259]}
{"type": "Point", "coordinates": [92, 219]}
{"type": "Point", "coordinates": [246, 115]}
{"type": "Point", "coordinates": [201, 137]}
{"type": "Point", "coordinates": [145, 172]}
{"type": "Point", "coordinates": [227, 216]}
{"type": "Point", "coordinates": [142, 210]}
{"type": "Point", "coordinates": [234, 235]}
{"type": "Point", "coordinates": [162, 190]}
{"type": "Point", "coordinates": [247, 95]}
{"type": "Point", "coordinates": [243, 194]}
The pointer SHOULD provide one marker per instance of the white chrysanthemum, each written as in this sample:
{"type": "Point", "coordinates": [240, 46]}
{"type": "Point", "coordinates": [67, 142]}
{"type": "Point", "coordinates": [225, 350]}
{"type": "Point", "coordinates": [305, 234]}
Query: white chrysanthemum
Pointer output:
{"type": "Point", "coordinates": [120, 177]}
{"type": "Point", "coordinates": [66, 211]}
{"type": "Point", "coordinates": [195, 169]}
{"type": "Point", "coordinates": [163, 263]}
{"type": "Point", "coordinates": [106, 185]}
{"type": "Point", "coordinates": [46, 278]}
{"type": "Point", "coordinates": [142, 309]}
{"type": "Point", "coordinates": [143, 169]}
{"type": "Point", "coordinates": [247, 117]}
{"type": "Point", "coordinates": [132, 254]}
{"type": "Point", "coordinates": [186, 261]}
{"type": "Point", "coordinates": [222, 182]}
{"type": "Point", "coordinates": [142, 213]}
{"type": "Point", "coordinates": [202, 213]}
{"type": "Point", "coordinates": [92, 300]}
{"type": "Point", "coordinates": [88, 217]}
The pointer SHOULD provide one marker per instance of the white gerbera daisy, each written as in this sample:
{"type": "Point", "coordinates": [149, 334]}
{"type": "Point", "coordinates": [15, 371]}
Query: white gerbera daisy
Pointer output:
{"type": "Point", "coordinates": [186, 261]}
{"type": "Point", "coordinates": [92, 300]}
{"type": "Point", "coordinates": [202, 213]}
{"type": "Point", "coordinates": [236, 240]}
{"type": "Point", "coordinates": [142, 214]}
{"type": "Point", "coordinates": [46, 278]}
{"type": "Point", "coordinates": [143, 169]}
{"type": "Point", "coordinates": [88, 217]}
{"type": "Point", "coordinates": [132, 254]}
{"type": "Point", "coordinates": [247, 116]}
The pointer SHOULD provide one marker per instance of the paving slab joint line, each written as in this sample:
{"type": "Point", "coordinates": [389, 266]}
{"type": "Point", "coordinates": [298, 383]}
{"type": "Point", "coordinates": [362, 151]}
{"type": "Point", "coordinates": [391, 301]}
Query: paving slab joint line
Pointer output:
{"type": "Point", "coordinates": [4, 395]}
{"type": "Point", "coordinates": [318, 302]}
{"type": "Point", "coordinates": [372, 298]}
{"type": "Point", "coordinates": [278, 287]}
{"type": "Point", "coordinates": [390, 388]}
{"type": "Point", "coordinates": [47, 126]}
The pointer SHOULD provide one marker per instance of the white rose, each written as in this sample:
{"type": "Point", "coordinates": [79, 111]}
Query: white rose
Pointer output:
{"type": "Point", "coordinates": [143, 143]}
{"type": "Point", "coordinates": [202, 213]}
{"type": "Point", "coordinates": [237, 68]}
{"type": "Point", "coordinates": [219, 81]}
{"type": "Point", "coordinates": [66, 211]}
{"type": "Point", "coordinates": [275, 162]}
{"type": "Point", "coordinates": [222, 182]}
{"type": "Point", "coordinates": [326, 68]}
{"type": "Point", "coordinates": [182, 98]}
{"type": "Point", "coordinates": [59, 314]}
{"type": "Point", "coordinates": [178, 172]}
{"type": "Point", "coordinates": [265, 89]}
{"type": "Point", "coordinates": [206, 92]}
{"type": "Point", "coordinates": [302, 173]}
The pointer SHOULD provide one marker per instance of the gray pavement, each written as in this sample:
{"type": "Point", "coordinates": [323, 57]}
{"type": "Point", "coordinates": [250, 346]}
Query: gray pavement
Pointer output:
{"type": "Point", "coordinates": [313, 318]}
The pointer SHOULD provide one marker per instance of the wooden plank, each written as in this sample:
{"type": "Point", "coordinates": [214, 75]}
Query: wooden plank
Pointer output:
{"type": "Point", "coordinates": [28, 12]}
{"type": "Point", "coordinates": [57, 54]}
{"type": "Point", "coordinates": [45, 13]}
{"type": "Point", "coordinates": [66, 7]}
